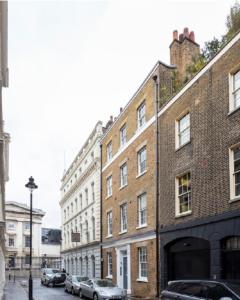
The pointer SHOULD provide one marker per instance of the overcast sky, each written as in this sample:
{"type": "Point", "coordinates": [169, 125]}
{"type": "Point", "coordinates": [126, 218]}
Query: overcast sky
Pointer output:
{"type": "Point", "coordinates": [74, 63]}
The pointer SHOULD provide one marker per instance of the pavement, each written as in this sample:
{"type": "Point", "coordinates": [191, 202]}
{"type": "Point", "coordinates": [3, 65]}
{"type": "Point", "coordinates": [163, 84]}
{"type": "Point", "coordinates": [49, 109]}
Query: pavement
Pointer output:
{"type": "Point", "coordinates": [14, 291]}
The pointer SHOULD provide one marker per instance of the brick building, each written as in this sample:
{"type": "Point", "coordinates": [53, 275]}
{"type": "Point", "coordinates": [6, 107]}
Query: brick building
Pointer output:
{"type": "Point", "coordinates": [174, 213]}
{"type": "Point", "coordinates": [199, 151]}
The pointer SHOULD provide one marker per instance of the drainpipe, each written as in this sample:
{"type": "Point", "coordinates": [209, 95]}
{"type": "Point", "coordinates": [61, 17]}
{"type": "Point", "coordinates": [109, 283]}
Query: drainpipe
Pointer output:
{"type": "Point", "coordinates": [156, 81]}
{"type": "Point", "coordinates": [101, 213]}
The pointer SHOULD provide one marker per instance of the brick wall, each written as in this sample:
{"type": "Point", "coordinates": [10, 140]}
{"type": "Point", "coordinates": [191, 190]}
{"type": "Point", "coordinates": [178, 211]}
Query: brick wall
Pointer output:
{"type": "Point", "coordinates": [213, 131]}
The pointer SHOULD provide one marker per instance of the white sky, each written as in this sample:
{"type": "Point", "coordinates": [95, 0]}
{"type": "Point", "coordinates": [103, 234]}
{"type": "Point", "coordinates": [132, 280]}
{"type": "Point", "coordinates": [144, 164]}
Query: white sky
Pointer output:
{"type": "Point", "coordinates": [73, 63]}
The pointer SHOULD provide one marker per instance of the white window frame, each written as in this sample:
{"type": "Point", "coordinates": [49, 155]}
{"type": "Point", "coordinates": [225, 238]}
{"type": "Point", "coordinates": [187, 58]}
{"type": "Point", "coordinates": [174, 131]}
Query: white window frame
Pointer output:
{"type": "Point", "coordinates": [109, 262]}
{"type": "Point", "coordinates": [141, 114]}
{"type": "Point", "coordinates": [142, 260]}
{"type": "Point", "coordinates": [93, 228]}
{"type": "Point", "coordinates": [180, 132]}
{"type": "Point", "coordinates": [109, 151]}
{"type": "Point", "coordinates": [123, 175]}
{"type": "Point", "coordinates": [109, 186]}
{"type": "Point", "coordinates": [178, 196]}
{"type": "Point", "coordinates": [123, 218]}
{"type": "Point", "coordinates": [86, 196]}
{"type": "Point", "coordinates": [93, 191]}
{"type": "Point", "coordinates": [123, 135]}
{"type": "Point", "coordinates": [11, 225]}
{"type": "Point", "coordinates": [142, 210]}
{"type": "Point", "coordinates": [13, 240]}
{"type": "Point", "coordinates": [233, 196]}
{"type": "Point", "coordinates": [109, 223]}
{"type": "Point", "coordinates": [233, 91]}
{"type": "Point", "coordinates": [26, 225]}
{"type": "Point", "coordinates": [140, 162]}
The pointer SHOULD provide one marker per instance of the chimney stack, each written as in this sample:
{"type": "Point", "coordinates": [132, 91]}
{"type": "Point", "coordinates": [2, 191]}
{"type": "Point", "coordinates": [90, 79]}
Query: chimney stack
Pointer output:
{"type": "Point", "coordinates": [182, 50]}
{"type": "Point", "coordinates": [175, 35]}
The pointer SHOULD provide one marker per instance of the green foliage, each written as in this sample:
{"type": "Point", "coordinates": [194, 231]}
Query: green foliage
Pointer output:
{"type": "Point", "coordinates": [211, 48]}
{"type": "Point", "coordinates": [233, 21]}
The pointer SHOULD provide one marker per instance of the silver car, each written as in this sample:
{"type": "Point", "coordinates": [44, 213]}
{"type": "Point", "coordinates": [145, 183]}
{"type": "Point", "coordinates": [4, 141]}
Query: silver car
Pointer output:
{"type": "Point", "coordinates": [72, 283]}
{"type": "Point", "coordinates": [101, 289]}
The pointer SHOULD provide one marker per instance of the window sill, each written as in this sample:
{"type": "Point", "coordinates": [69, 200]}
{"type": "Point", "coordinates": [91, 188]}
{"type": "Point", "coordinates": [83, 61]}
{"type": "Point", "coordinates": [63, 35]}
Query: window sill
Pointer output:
{"type": "Point", "coordinates": [237, 198]}
{"type": "Point", "coordinates": [233, 111]}
{"type": "Point", "coordinates": [108, 197]}
{"type": "Point", "coordinates": [122, 232]}
{"type": "Point", "coordinates": [109, 236]}
{"type": "Point", "coordinates": [141, 226]}
{"type": "Point", "coordinates": [109, 277]}
{"type": "Point", "coordinates": [139, 175]}
{"type": "Point", "coordinates": [142, 280]}
{"type": "Point", "coordinates": [183, 145]}
{"type": "Point", "coordinates": [187, 213]}
{"type": "Point", "coordinates": [122, 187]}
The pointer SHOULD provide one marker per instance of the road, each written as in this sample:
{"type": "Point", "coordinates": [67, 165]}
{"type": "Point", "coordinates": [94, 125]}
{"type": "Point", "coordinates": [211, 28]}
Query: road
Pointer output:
{"type": "Point", "coordinates": [41, 292]}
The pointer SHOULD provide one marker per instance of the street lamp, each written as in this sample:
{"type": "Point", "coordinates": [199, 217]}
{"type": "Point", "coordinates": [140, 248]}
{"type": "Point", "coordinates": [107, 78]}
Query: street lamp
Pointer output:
{"type": "Point", "coordinates": [31, 186]}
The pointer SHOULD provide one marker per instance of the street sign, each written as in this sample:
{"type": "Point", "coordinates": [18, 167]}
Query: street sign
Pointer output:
{"type": "Point", "coordinates": [75, 237]}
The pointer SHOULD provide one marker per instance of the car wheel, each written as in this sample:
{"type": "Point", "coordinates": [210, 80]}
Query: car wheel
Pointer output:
{"type": "Point", "coordinates": [95, 296]}
{"type": "Point", "coordinates": [81, 294]}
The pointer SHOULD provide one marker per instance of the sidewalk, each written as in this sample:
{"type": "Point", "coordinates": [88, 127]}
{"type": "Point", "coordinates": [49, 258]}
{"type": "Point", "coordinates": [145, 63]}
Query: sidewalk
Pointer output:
{"type": "Point", "coordinates": [13, 291]}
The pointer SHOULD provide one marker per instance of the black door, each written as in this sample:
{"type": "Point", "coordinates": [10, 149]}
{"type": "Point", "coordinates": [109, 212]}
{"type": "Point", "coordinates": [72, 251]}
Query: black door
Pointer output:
{"type": "Point", "coordinates": [231, 258]}
{"type": "Point", "coordinates": [189, 258]}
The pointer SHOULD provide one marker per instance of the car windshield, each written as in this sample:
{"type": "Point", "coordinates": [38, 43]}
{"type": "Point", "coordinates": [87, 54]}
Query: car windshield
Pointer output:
{"type": "Point", "coordinates": [51, 271]}
{"type": "Point", "coordinates": [104, 283]}
{"type": "Point", "coordinates": [235, 287]}
{"type": "Point", "coordinates": [79, 278]}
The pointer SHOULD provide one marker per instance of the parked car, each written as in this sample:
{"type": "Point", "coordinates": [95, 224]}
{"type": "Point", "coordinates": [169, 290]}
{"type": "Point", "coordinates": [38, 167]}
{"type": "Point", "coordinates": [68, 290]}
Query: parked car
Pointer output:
{"type": "Point", "coordinates": [72, 283]}
{"type": "Point", "coordinates": [101, 289]}
{"type": "Point", "coordinates": [201, 289]}
{"type": "Point", "coordinates": [52, 277]}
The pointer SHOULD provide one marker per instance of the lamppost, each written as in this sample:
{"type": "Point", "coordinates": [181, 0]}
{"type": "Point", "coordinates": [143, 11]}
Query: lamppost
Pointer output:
{"type": "Point", "coordinates": [31, 186]}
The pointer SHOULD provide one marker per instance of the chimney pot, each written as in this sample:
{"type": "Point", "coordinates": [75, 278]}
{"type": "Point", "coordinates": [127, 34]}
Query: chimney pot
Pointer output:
{"type": "Point", "coordinates": [175, 35]}
{"type": "Point", "coordinates": [186, 32]}
{"type": "Point", "coordinates": [192, 36]}
{"type": "Point", "coordinates": [111, 118]}
{"type": "Point", "coordinates": [181, 37]}
{"type": "Point", "coordinates": [121, 109]}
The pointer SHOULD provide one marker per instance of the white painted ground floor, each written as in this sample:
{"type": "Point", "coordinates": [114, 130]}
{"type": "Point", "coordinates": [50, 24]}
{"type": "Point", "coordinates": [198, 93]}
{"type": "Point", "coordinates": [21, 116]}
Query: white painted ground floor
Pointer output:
{"type": "Point", "coordinates": [85, 261]}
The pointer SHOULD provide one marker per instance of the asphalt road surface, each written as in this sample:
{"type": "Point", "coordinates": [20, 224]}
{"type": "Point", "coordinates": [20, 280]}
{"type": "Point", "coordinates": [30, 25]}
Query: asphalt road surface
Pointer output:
{"type": "Point", "coordinates": [41, 292]}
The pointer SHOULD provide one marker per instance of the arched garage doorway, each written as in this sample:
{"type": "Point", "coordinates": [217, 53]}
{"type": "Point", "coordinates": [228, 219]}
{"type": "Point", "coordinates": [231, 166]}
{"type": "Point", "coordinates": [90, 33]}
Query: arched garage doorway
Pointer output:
{"type": "Point", "coordinates": [188, 258]}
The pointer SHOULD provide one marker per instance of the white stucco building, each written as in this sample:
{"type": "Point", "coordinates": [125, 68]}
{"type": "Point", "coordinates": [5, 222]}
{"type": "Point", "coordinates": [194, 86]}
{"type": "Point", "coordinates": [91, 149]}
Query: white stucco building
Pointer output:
{"type": "Point", "coordinates": [18, 234]}
{"type": "Point", "coordinates": [80, 209]}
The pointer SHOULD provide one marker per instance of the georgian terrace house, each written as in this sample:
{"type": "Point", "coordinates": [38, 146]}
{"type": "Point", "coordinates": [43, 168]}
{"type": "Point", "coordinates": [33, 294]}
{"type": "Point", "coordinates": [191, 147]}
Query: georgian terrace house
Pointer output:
{"type": "Point", "coordinates": [199, 159]}
{"type": "Point", "coordinates": [130, 222]}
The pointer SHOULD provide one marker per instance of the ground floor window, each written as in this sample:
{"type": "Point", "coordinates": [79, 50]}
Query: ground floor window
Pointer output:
{"type": "Point", "coordinates": [109, 259]}
{"type": "Point", "coordinates": [93, 266]}
{"type": "Point", "coordinates": [27, 259]}
{"type": "Point", "coordinates": [142, 263]}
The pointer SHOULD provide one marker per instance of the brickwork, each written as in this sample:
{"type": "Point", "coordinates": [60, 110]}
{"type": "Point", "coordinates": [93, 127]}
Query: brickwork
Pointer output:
{"type": "Point", "coordinates": [138, 288]}
{"type": "Point", "coordinates": [136, 185]}
{"type": "Point", "coordinates": [213, 132]}
{"type": "Point", "coordinates": [182, 51]}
